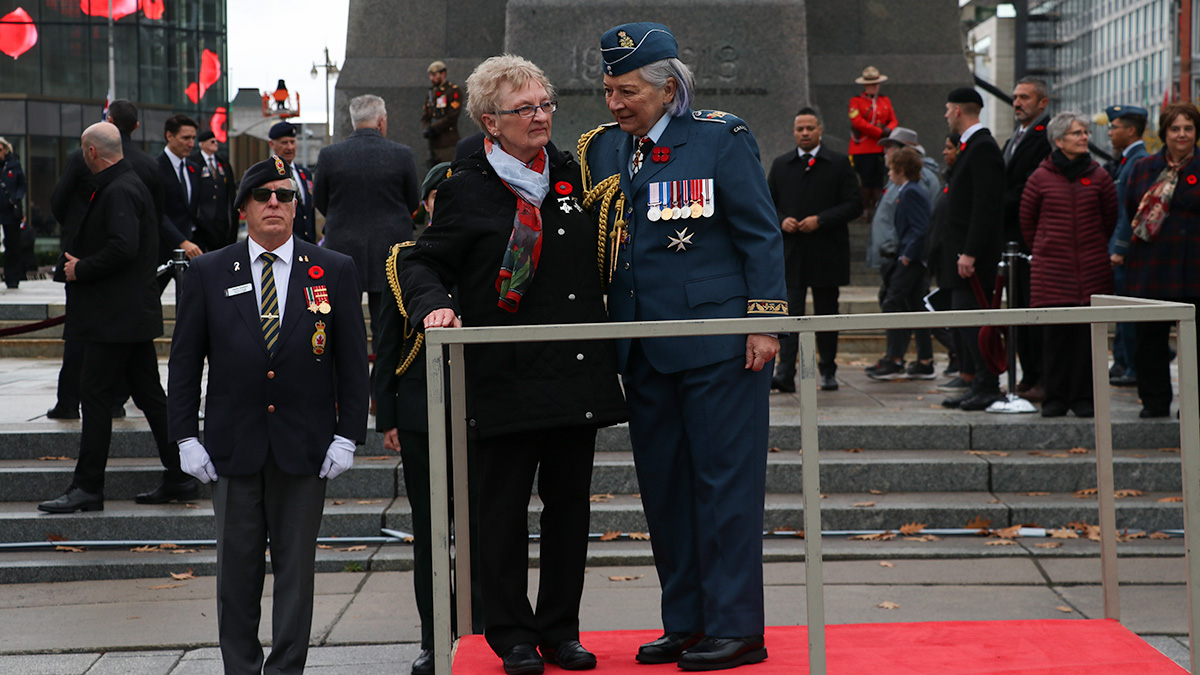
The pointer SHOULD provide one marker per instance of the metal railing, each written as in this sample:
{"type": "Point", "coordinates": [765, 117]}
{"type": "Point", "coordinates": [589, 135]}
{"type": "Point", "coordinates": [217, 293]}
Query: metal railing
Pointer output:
{"type": "Point", "coordinates": [444, 356]}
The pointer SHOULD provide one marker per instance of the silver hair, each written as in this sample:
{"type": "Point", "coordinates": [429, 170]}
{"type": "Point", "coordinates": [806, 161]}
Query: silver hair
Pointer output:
{"type": "Point", "coordinates": [1060, 124]}
{"type": "Point", "coordinates": [366, 109]}
{"type": "Point", "coordinates": [6, 145]}
{"type": "Point", "coordinates": [656, 75]}
{"type": "Point", "coordinates": [495, 76]}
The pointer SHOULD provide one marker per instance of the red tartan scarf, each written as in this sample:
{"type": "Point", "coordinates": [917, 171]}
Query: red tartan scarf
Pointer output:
{"type": "Point", "coordinates": [1153, 209]}
{"type": "Point", "coordinates": [530, 184]}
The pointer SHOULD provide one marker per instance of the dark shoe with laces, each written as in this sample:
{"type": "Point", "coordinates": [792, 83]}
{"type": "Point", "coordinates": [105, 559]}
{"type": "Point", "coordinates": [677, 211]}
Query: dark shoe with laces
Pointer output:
{"type": "Point", "coordinates": [1084, 409]}
{"type": "Point", "coordinates": [957, 384]}
{"type": "Point", "coordinates": [423, 664]}
{"type": "Point", "coordinates": [74, 500]}
{"type": "Point", "coordinates": [1123, 380]}
{"type": "Point", "coordinates": [1148, 413]}
{"type": "Point", "coordinates": [667, 648]}
{"type": "Point", "coordinates": [523, 659]}
{"type": "Point", "coordinates": [829, 383]}
{"type": "Point", "coordinates": [786, 385]}
{"type": "Point", "coordinates": [569, 655]}
{"type": "Point", "coordinates": [980, 401]}
{"type": "Point", "coordinates": [1054, 409]}
{"type": "Point", "coordinates": [714, 653]}
{"type": "Point", "coordinates": [921, 371]}
{"type": "Point", "coordinates": [171, 492]}
{"type": "Point", "coordinates": [61, 412]}
{"type": "Point", "coordinates": [888, 369]}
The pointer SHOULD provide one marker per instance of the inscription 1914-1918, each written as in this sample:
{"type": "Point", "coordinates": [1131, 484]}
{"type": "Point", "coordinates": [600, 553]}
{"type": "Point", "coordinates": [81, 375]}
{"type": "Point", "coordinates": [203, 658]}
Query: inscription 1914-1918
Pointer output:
{"type": "Point", "coordinates": [712, 66]}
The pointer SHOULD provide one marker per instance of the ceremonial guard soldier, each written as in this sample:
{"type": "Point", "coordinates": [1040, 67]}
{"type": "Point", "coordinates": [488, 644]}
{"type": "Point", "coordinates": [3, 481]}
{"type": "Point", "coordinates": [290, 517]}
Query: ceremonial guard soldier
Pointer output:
{"type": "Point", "coordinates": [871, 119]}
{"type": "Point", "coordinates": [439, 116]}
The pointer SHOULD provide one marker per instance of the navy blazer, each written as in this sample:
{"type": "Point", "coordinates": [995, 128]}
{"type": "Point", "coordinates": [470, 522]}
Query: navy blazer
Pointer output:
{"type": "Point", "coordinates": [913, 212]}
{"type": "Point", "coordinates": [179, 210]}
{"type": "Point", "coordinates": [733, 265]}
{"type": "Point", "coordinates": [290, 404]}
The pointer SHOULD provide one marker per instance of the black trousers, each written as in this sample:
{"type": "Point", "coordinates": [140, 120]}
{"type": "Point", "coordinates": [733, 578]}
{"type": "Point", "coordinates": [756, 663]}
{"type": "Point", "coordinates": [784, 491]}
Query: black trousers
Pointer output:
{"type": "Point", "coordinates": [249, 509]}
{"type": "Point", "coordinates": [105, 364]}
{"type": "Point", "coordinates": [904, 288]}
{"type": "Point", "coordinates": [1068, 375]}
{"type": "Point", "coordinates": [14, 254]}
{"type": "Point", "coordinates": [971, 359]}
{"type": "Point", "coordinates": [825, 302]}
{"type": "Point", "coordinates": [72, 370]}
{"type": "Point", "coordinates": [373, 299]}
{"type": "Point", "coordinates": [1030, 339]}
{"type": "Point", "coordinates": [414, 452]}
{"type": "Point", "coordinates": [562, 460]}
{"type": "Point", "coordinates": [1154, 362]}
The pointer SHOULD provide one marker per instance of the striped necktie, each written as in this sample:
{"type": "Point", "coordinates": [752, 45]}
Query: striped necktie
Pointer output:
{"type": "Point", "coordinates": [270, 303]}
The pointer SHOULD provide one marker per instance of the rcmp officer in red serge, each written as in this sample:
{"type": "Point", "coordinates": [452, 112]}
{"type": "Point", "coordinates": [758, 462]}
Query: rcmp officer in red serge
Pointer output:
{"type": "Point", "coordinates": [871, 118]}
{"type": "Point", "coordinates": [695, 238]}
{"type": "Point", "coordinates": [280, 322]}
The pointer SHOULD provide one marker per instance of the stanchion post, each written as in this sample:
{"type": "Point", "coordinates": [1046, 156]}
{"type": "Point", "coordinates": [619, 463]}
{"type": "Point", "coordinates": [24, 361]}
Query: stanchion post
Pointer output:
{"type": "Point", "coordinates": [439, 508]}
{"type": "Point", "coordinates": [179, 265]}
{"type": "Point", "coordinates": [1189, 448]}
{"type": "Point", "coordinates": [462, 502]}
{"type": "Point", "coordinates": [814, 578]}
{"type": "Point", "coordinates": [1105, 485]}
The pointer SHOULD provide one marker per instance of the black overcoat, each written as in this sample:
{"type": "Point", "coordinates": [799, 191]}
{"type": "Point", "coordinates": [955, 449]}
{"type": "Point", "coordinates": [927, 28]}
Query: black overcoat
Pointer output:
{"type": "Point", "coordinates": [1029, 153]}
{"type": "Point", "coordinates": [974, 225]}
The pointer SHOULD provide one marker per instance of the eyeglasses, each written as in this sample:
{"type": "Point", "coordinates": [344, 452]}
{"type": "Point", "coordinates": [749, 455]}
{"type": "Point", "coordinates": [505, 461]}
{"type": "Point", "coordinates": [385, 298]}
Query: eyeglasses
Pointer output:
{"type": "Point", "coordinates": [1077, 132]}
{"type": "Point", "coordinates": [531, 110]}
{"type": "Point", "coordinates": [284, 195]}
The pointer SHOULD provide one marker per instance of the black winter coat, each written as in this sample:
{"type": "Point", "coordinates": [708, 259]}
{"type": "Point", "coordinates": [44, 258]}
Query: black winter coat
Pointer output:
{"type": "Point", "coordinates": [974, 222]}
{"type": "Point", "coordinates": [524, 386]}
{"type": "Point", "coordinates": [1028, 155]}
{"type": "Point", "coordinates": [115, 296]}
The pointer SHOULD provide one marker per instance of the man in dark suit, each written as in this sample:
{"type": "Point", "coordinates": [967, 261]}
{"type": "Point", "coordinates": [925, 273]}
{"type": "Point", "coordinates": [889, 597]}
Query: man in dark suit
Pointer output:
{"type": "Point", "coordinates": [280, 323]}
{"type": "Point", "coordinates": [216, 217]}
{"type": "Point", "coordinates": [816, 195]}
{"type": "Point", "coordinates": [113, 307]}
{"type": "Point", "coordinates": [1023, 152]}
{"type": "Point", "coordinates": [367, 188]}
{"type": "Point", "coordinates": [181, 187]}
{"type": "Point", "coordinates": [1125, 128]}
{"type": "Point", "coordinates": [974, 233]}
{"type": "Point", "coordinates": [69, 203]}
{"type": "Point", "coordinates": [282, 139]}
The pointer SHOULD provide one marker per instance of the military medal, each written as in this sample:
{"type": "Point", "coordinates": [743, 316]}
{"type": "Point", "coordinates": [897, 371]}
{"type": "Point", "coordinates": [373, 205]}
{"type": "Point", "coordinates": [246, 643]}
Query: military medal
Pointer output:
{"type": "Point", "coordinates": [675, 210]}
{"type": "Point", "coordinates": [680, 241]}
{"type": "Point", "coordinates": [655, 202]}
{"type": "Point", "coordinates": [318, 299]}
{"type": "Point", "coordinates": [667, 212]}
{"type": "Point", "coordinates": [319, 338]}
{"type": "Point", "coordinates": [685, 211]}
{"type": "Point", "coordinates": [697, 198]}
{"type": "Point", "coordinates": [709, 194]}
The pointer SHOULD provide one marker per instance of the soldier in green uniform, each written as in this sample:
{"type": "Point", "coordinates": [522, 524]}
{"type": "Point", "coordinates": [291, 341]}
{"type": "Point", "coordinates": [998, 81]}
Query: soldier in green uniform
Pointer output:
{"type": "Point", "coordinates": [439, 117]}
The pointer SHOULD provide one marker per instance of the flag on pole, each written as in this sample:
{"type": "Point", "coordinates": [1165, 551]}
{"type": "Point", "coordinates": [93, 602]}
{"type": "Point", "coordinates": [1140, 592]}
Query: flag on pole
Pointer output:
{"type": "Point", "coordinates": [108, 99]}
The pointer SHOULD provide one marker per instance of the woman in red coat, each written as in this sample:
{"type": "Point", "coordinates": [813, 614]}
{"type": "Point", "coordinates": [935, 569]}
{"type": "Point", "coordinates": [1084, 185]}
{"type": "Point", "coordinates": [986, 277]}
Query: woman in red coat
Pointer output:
{"type": "Point", "coordinates": [1068, 213]}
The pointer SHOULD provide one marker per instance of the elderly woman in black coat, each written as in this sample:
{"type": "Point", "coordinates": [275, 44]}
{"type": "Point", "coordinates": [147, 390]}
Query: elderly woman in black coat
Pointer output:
{"type": "Point", "coordinates": [511, 234]}
{"type": "Point", "coordinates": [12, 191]}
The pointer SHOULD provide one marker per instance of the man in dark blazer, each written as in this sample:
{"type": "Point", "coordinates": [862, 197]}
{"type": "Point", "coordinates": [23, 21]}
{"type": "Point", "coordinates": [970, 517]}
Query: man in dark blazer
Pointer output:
{"type": "Point", "coordinates": [367, 188]}
{"type": "Point", "coordinates": [114, 309]}
{"type": "Point", "coordinates": [282, 139]}
{"type": "Point", "coordinates": [181, 187]}
{"type": "Point", "coordinates": [1023, 152]}
{"type": "Point", "coordinates": [216, 216]}
{"type": "Point", "coordinates": [974, 233]}
{"type": "Point", "coordinates": [1126, 124]}
{"type": "Point", "coordinates": [816, 195]}
{"type": "Point", "coordinates": [280, 322]}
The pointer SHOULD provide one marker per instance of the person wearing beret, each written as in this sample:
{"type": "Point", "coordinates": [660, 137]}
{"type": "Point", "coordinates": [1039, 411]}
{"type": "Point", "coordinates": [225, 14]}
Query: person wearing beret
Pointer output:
{"type": "Point", "coordinates": [216, 216]}
{"type": "Point", "coordinates": [279, 322]}
{"type": "Point", "coordinates": [694, 236]}
{"type": "Point", "coordinates": [972, 238]}
{"type": "Point", "coordinates": [510, 231]}
{"type": "Point", "coordinates": [282, 141]}
{"type": "Point", "coordinates": [1126, 124]}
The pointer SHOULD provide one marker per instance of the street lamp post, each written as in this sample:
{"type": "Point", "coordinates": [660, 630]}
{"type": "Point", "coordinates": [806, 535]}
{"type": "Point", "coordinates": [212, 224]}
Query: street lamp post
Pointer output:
{"type": "Point", "coordinates": [331, 71]}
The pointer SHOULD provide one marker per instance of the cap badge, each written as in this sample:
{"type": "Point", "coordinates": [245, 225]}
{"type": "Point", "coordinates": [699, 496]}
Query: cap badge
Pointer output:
{"type": "Point", "coordinates": [624, 40]}
{"type": "Point", "coordinates": [280, 167]}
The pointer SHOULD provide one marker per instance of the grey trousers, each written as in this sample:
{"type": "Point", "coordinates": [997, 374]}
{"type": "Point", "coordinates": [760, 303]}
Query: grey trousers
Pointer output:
{"type": "Point", "coordinates": [249, 510]}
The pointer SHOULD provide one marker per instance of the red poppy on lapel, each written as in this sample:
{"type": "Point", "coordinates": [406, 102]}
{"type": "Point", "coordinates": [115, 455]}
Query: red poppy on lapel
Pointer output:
{"type": "Point", "coordinates": [1123, 160]}
{"type": "Point", "coordinates": [1085, 181]}
{"type": "Point", "coordinates": [1039, 128]}
{"type": "Point", "coordinates": [191, 169]}
{"type": "Point", "coordinates": [316, 272]}
{"type": "Point", "coordinates": [562, 187]}
{"type": "Point", "coordinates": [1191, 180]}
{"type": "Point", "coordinates": [962, 147]}
{"type": "Point", "coordinates": [946, 190]}
{"type": "Point", "coordinates": [660, 154]}
{"type": "Point", "coordinates": [812, 161]}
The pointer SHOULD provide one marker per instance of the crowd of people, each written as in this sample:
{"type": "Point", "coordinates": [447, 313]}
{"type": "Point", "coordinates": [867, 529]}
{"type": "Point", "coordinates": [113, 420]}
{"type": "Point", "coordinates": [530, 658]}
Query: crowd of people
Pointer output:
{"type": "Point", "coordinates": [508, 236]}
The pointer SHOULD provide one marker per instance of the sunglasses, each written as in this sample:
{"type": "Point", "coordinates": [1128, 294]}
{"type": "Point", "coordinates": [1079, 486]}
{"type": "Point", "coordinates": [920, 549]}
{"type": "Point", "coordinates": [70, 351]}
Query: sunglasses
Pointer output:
{"type": "Point", "coordinates": [284, 195]}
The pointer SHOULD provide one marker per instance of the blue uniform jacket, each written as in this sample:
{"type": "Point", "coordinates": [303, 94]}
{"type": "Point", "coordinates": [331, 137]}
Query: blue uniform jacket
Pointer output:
{"type": "Point", "coordinates": [1119, 243]}
{"type": "Point", "coordinates": [913, 211]}
{"type": "Point", "coordinates": [733, 265]}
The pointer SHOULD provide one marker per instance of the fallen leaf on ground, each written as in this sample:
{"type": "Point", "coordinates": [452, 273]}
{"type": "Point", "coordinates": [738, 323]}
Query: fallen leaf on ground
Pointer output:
{"type": "Point", "coordinates": [324, 546]}
{"type": "Point", "coordinates": [912, 528]}
{"type": "Point", "coordinates": [920, 398]}
{"type": "Point", "coordinates": [1064, 609]}
{"type": "Point", "coordinates": [888, 604]}
{"type": "Point", "coordinates": [144, 549]}
{"type": "Point", "coordinates": [1047, 454]}
{"type": "Point", "coordinates": [1130, 492]}
{"type": "Point", "coordinates": [863, 504]}
{"type": "Point", "coordinates": [639, 536]}
{"type": "Point", "coordinates": [996, 453]}
{"type": "Point", "coordinates": [774, 449]}
{"type": "Point", "coordinates": [159, 588]}
{"type": "Point", "coordinates": [54, 459]}
{"type": "Point", "coordinates": [854, 449]}
{"type": "Point", "coordinates": [626, 578]}
{"type": "Point", "coordinates": [979, 522]}
{"type": "Point", "coordinates": [877, 492]}
{"type": "Point", "coordinates": [353, 549]}
{"type": "Point", "coordinates": [1078, 451]}
{"type": "Point", "coordinates": [1168, 449]}
{"type": "Point", "coordinates": [636, 495]}
{"type": "Point", "coordinates": [55, 537]}
{"type": "Point", "coordinates": [600, 499]}
{"type": "Point", "coordinates": [1077, 525]}
{"type": "Point", "coordinates": [338, 502]}
{"type": "Point", "coordinates": [1086, 492]}
{"type": "Point", "coordinates": [166, 546]}
{"type": "Point", "coordinates": [924, 537]}
{"type": "Point", "coordinates": [1130, 536]}
{"type": "Point", "coordinates": [799, 534]}
{"type": "Point", "coordinates": [68, 549]}
{"type": "Point", "coordinates": [1049, 544]}
{"type": "Point", "coordinates": [369, 501]}
{"type": "Point", "coordinates": [1062, 533]}
{"type": "Point", "coordinates": [884, 563]}
{"type": "Point", "coordinates": [875, 536]}
{"type": "Point", "coordinates": [184, 550]}
{"type": "Point", "coordinates": [180, 576]}
{"type": "Point", "coordinates": [999, 542]}
{"type": "Point", "coordinates": [381, 458]}
{"type": "Point", "coordinates": [1034, 494]}
{"type": "Point", "coordinates": [1008, 532]}
{"type": "Point", "coordinates": [1159, 535]}
{"type": "Point", "coordinates": [1172, 498]}
{"type": "Point", "coordinates": [610, 535]}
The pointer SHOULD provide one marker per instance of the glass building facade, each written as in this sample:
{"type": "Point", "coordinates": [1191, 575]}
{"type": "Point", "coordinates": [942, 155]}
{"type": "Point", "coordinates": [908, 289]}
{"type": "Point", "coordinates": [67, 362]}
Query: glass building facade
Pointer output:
{"type": "Point", "coordinates": [168, 57]}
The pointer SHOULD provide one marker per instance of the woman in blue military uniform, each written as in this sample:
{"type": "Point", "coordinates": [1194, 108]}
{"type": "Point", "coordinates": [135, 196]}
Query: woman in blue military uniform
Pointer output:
{"type": "Point", "coordinates": [12, 217]}
{"type": "Point", "coordinates": [693, 236]}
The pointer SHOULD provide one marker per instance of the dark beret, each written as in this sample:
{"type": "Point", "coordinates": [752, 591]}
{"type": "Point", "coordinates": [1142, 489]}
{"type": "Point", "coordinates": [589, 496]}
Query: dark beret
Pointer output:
{"type": "Point", "coordinates": [281, 129]}
{"type": "Point", "coordinates": [434, 178]}
{"type": "Point", "coordinates": [965, 95]}
{"type": "Point", "coordinates": [1118, 111]}
{"type": "Point", "coordinates": [271, 169]}
{"type": "Point", "coordinates": [632, 45]}
{"type": "Point", "coordinates": [205, 136]}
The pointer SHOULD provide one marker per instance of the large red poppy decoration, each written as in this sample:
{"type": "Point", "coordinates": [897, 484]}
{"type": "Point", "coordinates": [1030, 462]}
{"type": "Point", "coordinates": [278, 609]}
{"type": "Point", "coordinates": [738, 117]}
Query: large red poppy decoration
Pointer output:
{"type": "Point", "coordinates": [153, 9]}
{"type": "Point", "coordinates": [17, 33]}
{"type": "Point", "coordinates": [210, 72]}
{"type": "Point", "coordinates": [217, 124]}
{"type": "Point", "coordinates": [120, 8]}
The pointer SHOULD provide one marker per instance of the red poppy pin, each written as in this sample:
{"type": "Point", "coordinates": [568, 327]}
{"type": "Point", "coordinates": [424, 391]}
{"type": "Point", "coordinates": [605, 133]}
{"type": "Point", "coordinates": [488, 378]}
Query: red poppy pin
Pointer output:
{"type": "Point", "coordinates": [1039, 128]}
{"type": "Point", "coordinates": [946, 190]}
{"type": "Point", "coordinates": [660, 154]}
{"type": "Point", "coordinates": [1123, 160]}
{"type": "Point", "coordinates": [191, 169]}
{"type": "Point", "coordinates": [962, 147]}
{"type": "Point", "coordinates": [812, 161]}
{"type": "Point", "coordinates": [1191, 179]}
{"type": "Point", "coordinates": [1085, 181]}
{"type": "Point", "coordinates": [316, 272]}
{"type": "Point", "coordinates": [562, 187]}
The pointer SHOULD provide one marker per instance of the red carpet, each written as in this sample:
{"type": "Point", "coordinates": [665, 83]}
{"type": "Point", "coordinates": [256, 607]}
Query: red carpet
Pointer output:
{"type": "Point", "coordinates": [1099, 647]}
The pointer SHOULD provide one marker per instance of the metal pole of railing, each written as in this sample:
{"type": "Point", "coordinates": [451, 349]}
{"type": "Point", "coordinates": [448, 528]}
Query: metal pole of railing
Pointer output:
{"type": "Point", "coordinates": [462, 502]}
{"type": "Point", "coordinates": [179, 265]}
{"type": "Point", "coordinates": [1189, 447]}
{"type": "Point", "coordinates": [1105, 483]}
{"type": "Point", "coordinates": [1012, 403]}
{"type": "Point", "coordinates": [814, 578]}
{"type": "Point", "coordinates": [439, 510]}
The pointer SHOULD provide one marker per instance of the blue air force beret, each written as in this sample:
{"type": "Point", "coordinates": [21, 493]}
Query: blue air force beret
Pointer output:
{"type": "Point", "coordinates": [271, 169]}
{"type": "Point", "coordinates": [1119, 111]}
{"type": "Point", "coordinates": [281, 129]}
{"type": "Point", "coordinates": [965, 95]}
{"type": "Point", "coordinates": [632, 45]}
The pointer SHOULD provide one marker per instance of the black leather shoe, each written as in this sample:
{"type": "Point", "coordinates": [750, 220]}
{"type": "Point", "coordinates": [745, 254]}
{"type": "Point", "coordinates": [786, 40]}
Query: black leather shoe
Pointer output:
{"type": "Point", "coordinates": [667, 648]}
{"type": "Point", "coordinates": [1085, 410]}
{"type": "Point", "coordinates": [74, 500]}
{"type": "Point", "coordinates": [829, 383]}
{"type": "Point", "coordinates": [720, 653]}
{"type": "Point", "coordinates": [1054, 409]}
{"type": "Point", "coordinates": [423, 664]}
{"type": "Point", "coordinates": [168, 491]}
{"type": "Point", "coordinates": [523, 659]}
{"type": "Point", "coordinates": [59, 412]}
{"type": "Point", "coordinates": [1148, 413]}
{"type": "Point", "coordinates": [1123, 380]}
{"type": "Point", "coordinates": [569, 655]}
{"type": "Point", "coordinates": [786, 385]}
{"type": "Point", "coordinates": [954, 402]}
{"type": "Point", "coordinates": [980, 401]}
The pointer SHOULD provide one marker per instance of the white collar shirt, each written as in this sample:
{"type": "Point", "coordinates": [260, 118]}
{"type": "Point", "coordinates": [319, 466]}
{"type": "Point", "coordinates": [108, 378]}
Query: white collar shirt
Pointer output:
{"type": "Point", "coordinates": [176, 161]}
{"type": "Point", "coordinates": [281, 270]}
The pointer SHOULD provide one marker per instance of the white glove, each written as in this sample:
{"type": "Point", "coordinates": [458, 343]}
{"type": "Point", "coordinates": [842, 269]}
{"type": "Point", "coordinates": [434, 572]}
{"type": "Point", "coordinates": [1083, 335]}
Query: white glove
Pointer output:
{"type": "Point", "coordinates": [194, 461]}
{"type": "Point", "coordinates": [338, 458]}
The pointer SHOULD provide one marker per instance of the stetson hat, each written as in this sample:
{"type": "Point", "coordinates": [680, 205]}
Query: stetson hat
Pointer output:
{"type": "Point", "coordinates": [871, 75]}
